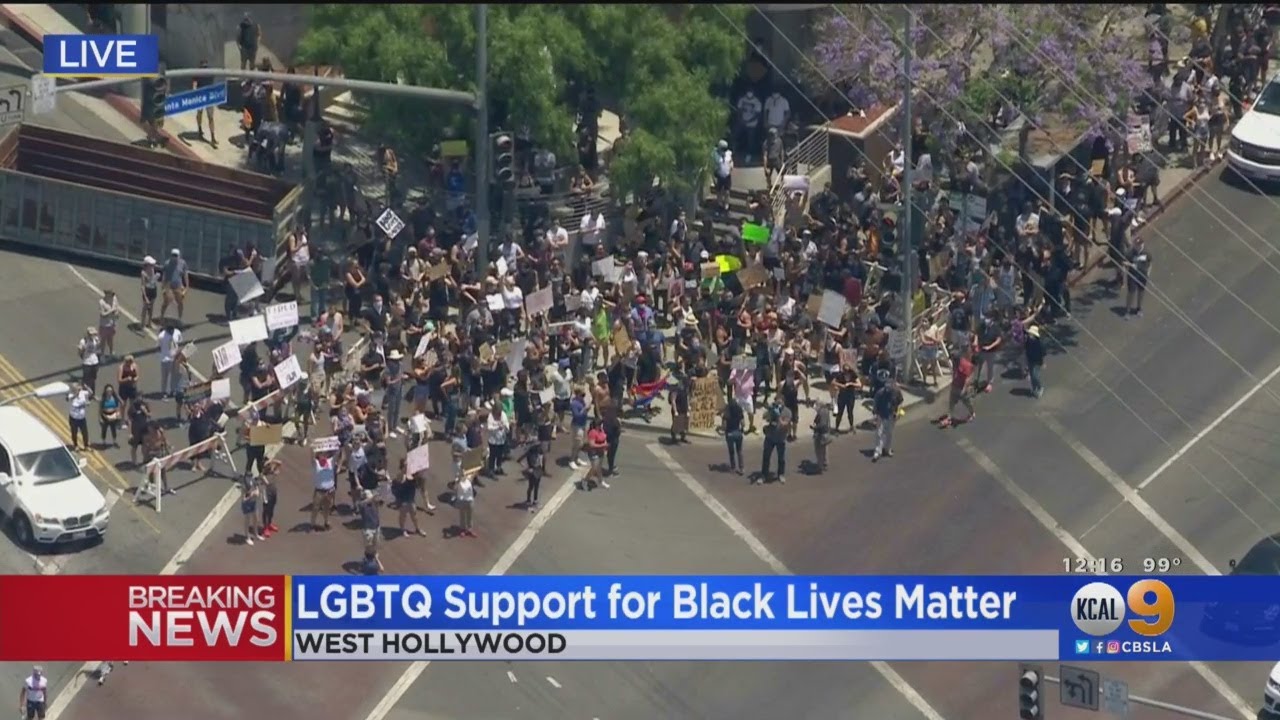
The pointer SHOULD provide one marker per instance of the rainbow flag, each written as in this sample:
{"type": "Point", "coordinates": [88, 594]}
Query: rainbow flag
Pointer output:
{"type": "Point", "coordinates": [643, 394]}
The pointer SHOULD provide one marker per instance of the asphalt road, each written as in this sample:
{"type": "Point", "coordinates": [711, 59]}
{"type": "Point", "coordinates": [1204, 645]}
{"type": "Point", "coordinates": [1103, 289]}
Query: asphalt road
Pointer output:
{"type": "Point", "coordinates": [49, 306]}
{"type": "Point", "coordinates": [1157, 402]}
{"type": "Point", "coordinates": [1005, 494]}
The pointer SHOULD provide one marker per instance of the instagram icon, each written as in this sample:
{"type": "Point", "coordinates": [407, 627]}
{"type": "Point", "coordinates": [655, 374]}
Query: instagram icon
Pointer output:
{"type": "Point", "coordinates": [1113, 647]}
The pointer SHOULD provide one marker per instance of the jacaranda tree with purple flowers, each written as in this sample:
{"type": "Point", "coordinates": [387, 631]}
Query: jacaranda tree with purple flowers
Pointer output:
{"type": "Point", "coordinates": [1081, 61]}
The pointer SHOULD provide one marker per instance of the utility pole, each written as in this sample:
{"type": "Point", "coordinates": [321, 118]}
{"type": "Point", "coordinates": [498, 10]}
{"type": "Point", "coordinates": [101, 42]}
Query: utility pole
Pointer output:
{"type": "Point", "coordinates": [483, 156]}
{"type": "Point", "coordinates": [135, 19]}
{"type": "Point", "coordinates": [906, 243]}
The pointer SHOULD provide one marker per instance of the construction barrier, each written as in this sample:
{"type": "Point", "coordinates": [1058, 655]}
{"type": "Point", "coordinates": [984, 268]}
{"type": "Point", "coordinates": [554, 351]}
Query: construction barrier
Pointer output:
{"type": "Point", "coordinates": [152, 484]}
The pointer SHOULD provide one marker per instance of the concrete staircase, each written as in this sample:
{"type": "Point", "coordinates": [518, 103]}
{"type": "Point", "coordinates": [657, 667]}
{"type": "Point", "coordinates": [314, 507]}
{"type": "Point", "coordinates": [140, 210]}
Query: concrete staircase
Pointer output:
{"type": "Point", "coordinates": [746, 181]}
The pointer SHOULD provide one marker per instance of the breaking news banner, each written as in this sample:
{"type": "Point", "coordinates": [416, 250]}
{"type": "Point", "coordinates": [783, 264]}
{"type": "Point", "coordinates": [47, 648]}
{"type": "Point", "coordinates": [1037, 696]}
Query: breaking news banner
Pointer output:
{"type": "Point", "coordinates": [512, 618]}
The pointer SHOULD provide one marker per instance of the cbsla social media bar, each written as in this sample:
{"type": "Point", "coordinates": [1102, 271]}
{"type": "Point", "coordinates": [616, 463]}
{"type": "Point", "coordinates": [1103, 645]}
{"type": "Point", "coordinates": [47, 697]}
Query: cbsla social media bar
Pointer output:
{"type": "Point", "coordinates": [529, 618]}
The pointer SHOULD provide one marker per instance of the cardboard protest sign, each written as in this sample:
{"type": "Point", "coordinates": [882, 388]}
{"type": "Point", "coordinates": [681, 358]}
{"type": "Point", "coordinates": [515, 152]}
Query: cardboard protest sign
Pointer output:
{"type": "Point", "coordinates": [753, 276]}
{"type": "Point", "coordinates": [266, 434]}
{"type": "Point", "coordinates": [710, 270]}
{"type": "Point", "coordinates": [538, 302]}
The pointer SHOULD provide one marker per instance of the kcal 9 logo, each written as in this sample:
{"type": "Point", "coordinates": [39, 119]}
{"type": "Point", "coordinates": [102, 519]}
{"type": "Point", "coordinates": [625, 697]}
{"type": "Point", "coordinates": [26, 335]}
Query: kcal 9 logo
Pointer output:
{"type": "Point", "coordinates": [1098, 608]}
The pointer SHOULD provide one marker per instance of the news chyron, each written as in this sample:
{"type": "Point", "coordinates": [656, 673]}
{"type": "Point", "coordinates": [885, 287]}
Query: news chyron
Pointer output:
{"type": "Point", "coordinates": [81, 56]}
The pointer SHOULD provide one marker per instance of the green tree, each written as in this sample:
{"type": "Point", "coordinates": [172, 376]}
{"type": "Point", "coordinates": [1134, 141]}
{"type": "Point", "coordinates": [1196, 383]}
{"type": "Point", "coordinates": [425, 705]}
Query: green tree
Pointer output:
{"type": "Point", "coordinates": [661, 67]}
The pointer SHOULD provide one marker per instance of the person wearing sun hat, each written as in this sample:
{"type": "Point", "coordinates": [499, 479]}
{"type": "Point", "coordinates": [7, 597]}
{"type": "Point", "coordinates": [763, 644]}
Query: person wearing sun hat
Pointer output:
{"type": "Point", "coordinates": [1034, 349]}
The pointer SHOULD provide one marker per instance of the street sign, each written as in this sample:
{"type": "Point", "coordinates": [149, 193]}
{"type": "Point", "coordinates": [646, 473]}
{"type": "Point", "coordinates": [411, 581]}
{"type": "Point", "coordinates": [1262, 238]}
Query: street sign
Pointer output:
{"type": "Point", "coordinates": [390, 223]}
{"type": "Point", "coordinates": [196, 99]}
{"type": "Point", "coordinates": [13, 104]}
{"type": "Point", "coordinates": [44, 94]}
{"type": "Point", "coordinates": [1115, 697]}
{"type": "Point", "coordinates": [1079, 687]}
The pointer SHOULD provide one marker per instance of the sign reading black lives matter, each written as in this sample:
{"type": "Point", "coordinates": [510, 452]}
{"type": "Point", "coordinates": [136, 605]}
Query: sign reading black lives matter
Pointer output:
{"type": "Point", "coordinates": [390, 223]}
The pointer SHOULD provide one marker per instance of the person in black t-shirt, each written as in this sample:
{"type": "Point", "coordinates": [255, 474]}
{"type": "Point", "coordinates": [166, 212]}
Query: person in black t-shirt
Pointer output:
{"type": "Point", "coordinates": [679, 400]}
{"type": "Point", "coordinates": [732, 419]}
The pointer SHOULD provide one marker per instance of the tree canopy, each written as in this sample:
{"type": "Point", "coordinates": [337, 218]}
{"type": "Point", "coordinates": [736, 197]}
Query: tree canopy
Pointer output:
{"type": "Point", "coordinates": [1079, 60]}
{"type": "Point", "coordinates": [659, 66]}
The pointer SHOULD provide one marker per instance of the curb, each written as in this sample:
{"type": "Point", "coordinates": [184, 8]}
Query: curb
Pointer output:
{"type": "Point", "coordinates": [1177, 192]}
{"type": "Point", "coordinates": [121, 104]}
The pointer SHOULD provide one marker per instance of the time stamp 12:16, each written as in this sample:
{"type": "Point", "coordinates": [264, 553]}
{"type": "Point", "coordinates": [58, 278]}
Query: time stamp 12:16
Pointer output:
{"type": "Point", "coordinates": [1116, 566]}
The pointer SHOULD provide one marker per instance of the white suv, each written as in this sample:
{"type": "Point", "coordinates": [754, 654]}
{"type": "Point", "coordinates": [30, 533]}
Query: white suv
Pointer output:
{"type": "Point", "coordinates": [42, 489]}
{"type": "Point", "coordinates": [1254, 151]}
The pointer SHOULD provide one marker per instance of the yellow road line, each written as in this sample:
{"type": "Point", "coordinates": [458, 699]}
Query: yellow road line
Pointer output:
{"type": "Point", "coordinates": [57, 422]}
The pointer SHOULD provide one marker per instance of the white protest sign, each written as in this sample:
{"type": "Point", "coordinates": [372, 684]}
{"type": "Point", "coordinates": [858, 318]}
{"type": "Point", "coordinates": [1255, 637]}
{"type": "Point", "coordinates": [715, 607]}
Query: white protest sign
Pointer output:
{"type": "Point", "coordinates": [503, 269]}
{"type": "Point", "coordinates": [418, 459]}
{"type": "Point", "coordinates": [288, 372]}
{"type": "Point", "coordinates": [494, 302]}
{"type": "Point", "coordinates": [220, 389]}
{"type": "Point", "coordinates": [246, 286]}
{"type": "Point", "coordinates": [831, 311]}
{"type": "Point", "coordinates": [418, 424]}
{"type": "Point", "coordinates": [247, 331]}
{"type": "Point", "coordinates": [546, 395]}
{"type": "Point", "coordinates": [326, 444]}
{"type": "Point", "coordinates": [423, 344]}
{"type": "Point", "coordinates": [538, 302]}
{"type": "Point", "coordinates": [282, 316]}
{"type": "Point", "coordinates": [226, 356]}
{"type": "Point", "coordinates": [390, 223]}
{"type": "Point", "coordinates": [743, 362]}
{"type": "Point", "coordinates": [572, 302]}
{"type": "Point", "coordinates": [605, 269]}
{"type": "Point", "coordinates": [189, 350]}
{"type": "Point", "coordinates": [515, 356]}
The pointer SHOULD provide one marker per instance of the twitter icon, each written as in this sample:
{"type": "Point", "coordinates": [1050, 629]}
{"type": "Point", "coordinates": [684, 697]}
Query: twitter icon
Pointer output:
{"type": "Point", "coordinates": [1082, 647]}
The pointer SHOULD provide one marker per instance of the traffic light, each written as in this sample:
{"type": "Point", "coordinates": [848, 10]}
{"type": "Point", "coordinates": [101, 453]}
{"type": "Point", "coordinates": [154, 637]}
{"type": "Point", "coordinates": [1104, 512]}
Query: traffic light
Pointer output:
{"type": "Point", "coordinates": [504, 158]}
{"type": "Point", "coordinates": [1030, 692]}
{"type": "Point", "coordinates": [155, 91]}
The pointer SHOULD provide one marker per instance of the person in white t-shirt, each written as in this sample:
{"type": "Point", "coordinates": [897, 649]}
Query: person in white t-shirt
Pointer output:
{"type": "Point", "coordinates": [777, 111]}
{"type": "Point", "coordinates": [592, 229]}
{"type": "Point", "coordinates": [724, 173]}
{"type": "Point", "coordinates": [558, 237]}
{"type": "Point", "coordinates": [749, 110]}
{"type": "Point", "coordinates": [78, 414]}
{"type": "Point", "coordinates": [512, 307]}
{"type": "Point", "coordinates": [90, 349]}
{"type": "Point", "coordinates": [35, 691]}
{"type": "Point", "coordinates": [170, 342]}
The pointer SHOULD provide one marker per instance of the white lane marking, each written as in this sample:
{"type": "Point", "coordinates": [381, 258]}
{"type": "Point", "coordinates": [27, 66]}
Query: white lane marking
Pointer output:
{"type": "Point", "coordinates": [898, 682]}
{"type": "Point", "coordinates": [504, 564]}
{"type": "Point", "coordinates": [554, 683]}
{"type": "Point", "coordinates": [1078, 549]}
{"type": "Point", "coordinates": [512, 677]}
{"type": "Point", "coordinates": [1132, 497]}
{"type": "Point", "coordinates": [125, 312]}
{"type": "Point", "coordinates": [1209, 428]}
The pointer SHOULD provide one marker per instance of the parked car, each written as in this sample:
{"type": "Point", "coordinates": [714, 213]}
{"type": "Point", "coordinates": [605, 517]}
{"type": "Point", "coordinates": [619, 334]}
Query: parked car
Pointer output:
{"type": "Point", "coordinates": [1254, 150]}
{"type": "Point", "coordinates": [43, 491]}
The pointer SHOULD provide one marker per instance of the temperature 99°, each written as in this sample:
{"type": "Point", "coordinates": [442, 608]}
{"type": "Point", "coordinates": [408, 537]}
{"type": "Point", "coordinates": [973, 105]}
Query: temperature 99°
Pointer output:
{"type": "Point", "coordinates": [1160, 565]}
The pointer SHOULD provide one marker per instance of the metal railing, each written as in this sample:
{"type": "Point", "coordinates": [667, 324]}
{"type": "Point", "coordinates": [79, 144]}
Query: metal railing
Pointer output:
{"type": "Point", "coordinates": [809, 155]}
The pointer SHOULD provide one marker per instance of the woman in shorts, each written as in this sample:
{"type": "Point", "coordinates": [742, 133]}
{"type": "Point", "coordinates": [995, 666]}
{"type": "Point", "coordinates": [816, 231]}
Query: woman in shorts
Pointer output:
{"type": "Point", "coordinates": [249, 508]}
{"type": "Point", "coordinates": [150, 285]}
{"type": "Point", "coordinates": [403, 489]}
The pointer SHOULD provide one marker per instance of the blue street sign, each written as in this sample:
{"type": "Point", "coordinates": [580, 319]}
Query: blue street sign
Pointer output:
{"type": "Point", "coordinates": [196, 99]}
